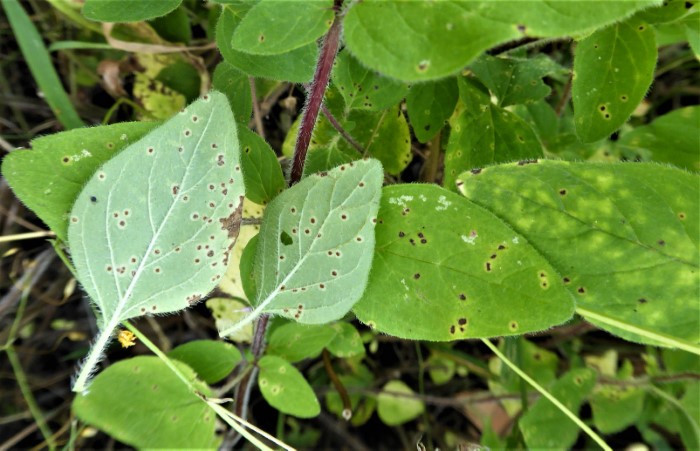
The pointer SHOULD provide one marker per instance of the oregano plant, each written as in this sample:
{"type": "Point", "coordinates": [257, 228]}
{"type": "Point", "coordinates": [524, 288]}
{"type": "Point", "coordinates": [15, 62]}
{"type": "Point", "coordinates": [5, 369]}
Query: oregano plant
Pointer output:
{"type": "Point", "coordinates": [388, 207]}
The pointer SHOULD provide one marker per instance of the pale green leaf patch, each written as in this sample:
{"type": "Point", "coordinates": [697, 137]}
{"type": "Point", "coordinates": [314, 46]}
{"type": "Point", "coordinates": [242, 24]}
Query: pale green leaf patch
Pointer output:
{"type": "Point", "coordinates": [285, 388]}
{"type": "Point", "coordinates": [151, 231]}
{"type": "Point", "coordinates": [123, 398]}
{"type": "Point", "coordinates": [395, 405]}
{"type": "Point", "coordinates": [438, 252]}
{"type": "Point", "coordinates": [623, 237]}
{"type": "Point", "coordinates": [315, 246]}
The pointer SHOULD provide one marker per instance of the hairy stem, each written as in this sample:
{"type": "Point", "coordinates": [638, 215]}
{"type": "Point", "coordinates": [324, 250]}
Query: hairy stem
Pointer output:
{"type": "Point", "coordinates": [95, 355]}
{"type": "Point", "coordinates": [344, 133]}
{"type": "Point", "coordinates": [315, 98]}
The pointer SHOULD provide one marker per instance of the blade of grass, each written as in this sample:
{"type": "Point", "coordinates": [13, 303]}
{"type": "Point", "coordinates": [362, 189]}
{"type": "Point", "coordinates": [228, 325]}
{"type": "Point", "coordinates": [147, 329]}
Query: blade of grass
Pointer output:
{"type": "Point", "coordinates": [583, 426]}
{"type": "Point", "coordinates": [39, 62]}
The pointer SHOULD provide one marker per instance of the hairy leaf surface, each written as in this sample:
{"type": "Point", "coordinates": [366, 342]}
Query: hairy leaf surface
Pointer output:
{"type": "Point", "coordinates": [49, 177]}
{"type": "Point", "coordinates": [151, 231]}
{"type": "Point", "coordinates": [623, 237]}
{"type": "Point", "coordinates": [446, 269]}
{"type": "Point", "coordinates": [316, 243]}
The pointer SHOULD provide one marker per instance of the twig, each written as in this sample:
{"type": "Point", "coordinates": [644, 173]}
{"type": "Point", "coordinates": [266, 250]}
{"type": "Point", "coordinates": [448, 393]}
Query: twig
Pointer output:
{"type": "Point", "coordinates": [315, 99]}
{"type": "Point", "coordinates": [564, 96]}
{"type": "Point", "coordinates": [344, 133]}
{"type": "Point", "coordinates": [430, 168]}
{"type": "Point", "coordinates": [257, 116]}
{"type": "Point", "coordinates": [340, 388]}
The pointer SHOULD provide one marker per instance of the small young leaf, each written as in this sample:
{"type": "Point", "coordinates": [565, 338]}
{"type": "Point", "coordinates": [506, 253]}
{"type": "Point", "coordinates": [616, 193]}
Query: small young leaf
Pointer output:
{"type": "Point", "coordinates": [211, 360]}
{"type": "Point", "coordinates": [127, 10]}
{"type": "Point", "coordinates": [316, 243]}
{"type": "Point", "coordinates": [151, 231]}
{"type": "Point", "coordinates": [284, 387]}
{"type": "Point", "coordinates": [363, 88]}
{"type": "Point", "coordinates": [616, 408]}
{"type": "Point", "coordinates": [49, 177]}
{"type": "Point", "coordinates": [296, 66]}
{"type": "Point", "coordinates": [429, 106]}
{"type": "Point", "coordinates": [672, 138]}
{"type": "Point", "coordinates": [544, 426]}
{"type": "Point", "coordinates": [294, 341]}
{"type": "Point", "coordinates": [261, 170]}
{"type": "Point", "coordinates": [446, 269]}
{"type": "Point", "coordinates": [515, 80]}
{"type": "Point", "coordinates": [236, 86]}
{"type": "Point", "coordinates": [613, 70]}
{"type": "Point", "coordinates": [484, 133]}
{"type": "Point", "coordinates": [394, 410]}
{"type": "Point", "coordinates": [272, 27]}
{"type": "Point", "coordinates": [123, 398]}
{"type": "Point", "coordinates": [623, 237]}
{"type": "Point", "coordinates": [226, 313]}
{"type": "Point", "coordinates": [347, 342]}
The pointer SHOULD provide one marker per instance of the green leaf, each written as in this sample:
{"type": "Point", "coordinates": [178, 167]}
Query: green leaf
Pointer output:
{"type": "Point", "coordinates": [544, 426]}
{"type": "Point", "coordinates": [272, 27]}
{"type": "Point", "coordinates": [484, 133]}
{"type": "Point", "coordinates": [285, 389]}
{"type": "Point", "coordinates": [363, 88]}
{"type": "Point", "coordinates": [623, 237]}
{"type": "Point", "coordinates": [347, 341]}
{"type": "Point", "coordinates": [181, 77]}
{"type": "Point", "coordinates": [441, 369]}
{"type": "Point", "coordinates": [151, 231]}
{"type": "Point", "coordinates": [174, 27]}
{"type": "Point", "coordinates": [383, 135]}
{"type": "Point", "coordinates": [429, 106]}
{"type": "Point", "coordinates": [296, 66]}
{"type": "Point", "coordinates": [421, 40]}
{"type": "Point", "coordinates": [316, 242]}
{"type": "Point", "coordinates": [261, 170]}
{"type": "Point", "coordinates": [672, 138]}
{"type": "Point", "coordinates": [236, 86]}
{"type": "Point", "coordinates": [515, 80]}
{"type": "Point", "coordinates": [211, 360]}
{"type": "Point", "coordinates": [123, 398]}
{"type": "Point", "coordinates": [669, 11]}
{"type": "Point", "coordinates": [615, 408]}
{"type": "Point", "coordinates": [613, 70]}
{"type": "Point", "coordinates": [446, 269]}
{"type": "Point", "coordinates": [415, 41]}
{"type": "Point", "coordinates": [395, 405]}
{"type": "Point", "coordinates": [127, 10]}
{"type": "Point", "coordinates": [49, 177]}
{"type": "Point", "coordinates": [692, 33]}
{"type": "Point", "coordinates": [294, 342]}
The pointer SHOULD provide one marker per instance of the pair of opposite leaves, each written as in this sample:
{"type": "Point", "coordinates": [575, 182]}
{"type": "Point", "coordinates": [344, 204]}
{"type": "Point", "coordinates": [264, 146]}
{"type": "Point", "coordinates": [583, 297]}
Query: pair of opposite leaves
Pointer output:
{"type": "Point", "coordinates": [152, 230]}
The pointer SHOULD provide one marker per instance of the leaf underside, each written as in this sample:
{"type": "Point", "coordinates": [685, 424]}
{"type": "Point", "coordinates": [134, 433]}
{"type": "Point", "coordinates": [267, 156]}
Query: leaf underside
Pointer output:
{"type": "Point", "coordinates": [316, 243]}
{"type": "Point", "coordinates": [151, 231]}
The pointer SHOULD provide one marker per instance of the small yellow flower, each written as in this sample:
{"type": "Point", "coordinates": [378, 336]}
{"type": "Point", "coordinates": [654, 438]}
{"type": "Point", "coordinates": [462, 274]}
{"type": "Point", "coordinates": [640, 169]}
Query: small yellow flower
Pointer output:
{"type": "Point", "coordinates": [126, 338]}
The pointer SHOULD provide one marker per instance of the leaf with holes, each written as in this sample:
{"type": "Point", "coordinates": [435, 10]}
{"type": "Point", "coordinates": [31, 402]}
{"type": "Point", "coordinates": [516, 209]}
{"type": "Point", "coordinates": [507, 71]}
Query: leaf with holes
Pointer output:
{"type": "Point", "coordinates": [123, 398]}
{"type": "Point", "coordinates": [272, 27]}
{"type": "Point", "coordinates": [316, 242]}
{"type": "Point", "coordinates": [515, 80]}
{"type": "Point", "coordinates": [438, 252]}
{"type": "Point", "coordinates": [49, 177]}
{"type": "Point", "coordinates": [152, 230]}
{"type": "Point", "coordinates": [613, 70]}
{"type": "Point", "coordinates": [484, 133]}
{"type": "Point", "coordinates": [623, 237]}
{"type": "Point", "coordinates": [284, 387]}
